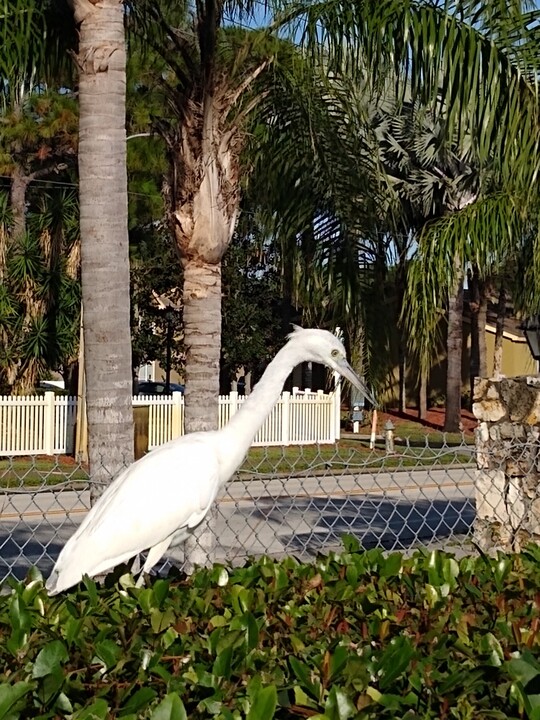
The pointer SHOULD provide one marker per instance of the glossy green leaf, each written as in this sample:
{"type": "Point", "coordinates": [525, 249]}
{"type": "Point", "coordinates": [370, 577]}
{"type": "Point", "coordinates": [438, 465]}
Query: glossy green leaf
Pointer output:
{"type": "Point", "coordinates": [138, 701]}
{"type": "Point", "coordinates": [395, 661]}
{"type": "Point", "coordinates": [162, 619]}
{"type": "Point", "coordinates": [263, 704]}
{"type": "Point", "coordinates": [304, 676]}
{"type": "Point", "coordinates": [10, 695]}
{"type": "Point", "coordinates": [108, 652]}
{"type": "Point", "coordinates": [98, 710]}
{"type": "Point", "coordinates": [50, 658]}
{"type": "Point", "coordinates": [222, 663]}
{"type": "Point", "coordinates": [524, 668]}
{"type": "Point", "coordinates": [170, 708]}
{"type": "Point", "coordinates": [339, 705]}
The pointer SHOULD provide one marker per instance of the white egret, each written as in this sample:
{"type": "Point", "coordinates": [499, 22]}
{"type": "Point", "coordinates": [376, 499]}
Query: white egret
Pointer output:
{"type": "Point", "coordinates": [157, 501]}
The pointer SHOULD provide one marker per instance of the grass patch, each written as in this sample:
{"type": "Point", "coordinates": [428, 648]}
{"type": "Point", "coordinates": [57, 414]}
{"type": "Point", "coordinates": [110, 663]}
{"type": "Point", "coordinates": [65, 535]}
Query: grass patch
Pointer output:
{"type": "Point", "coordinates": [353, 454]}
{"type": "Point", "coordinates": [40, 471]}
{"type": "Point", "coordinates": [414, 447]}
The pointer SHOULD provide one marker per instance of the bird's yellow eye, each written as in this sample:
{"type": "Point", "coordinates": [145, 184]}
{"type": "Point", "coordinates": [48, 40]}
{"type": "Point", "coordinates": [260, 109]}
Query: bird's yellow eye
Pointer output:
{"type": "Point", "coordinates": [335, 353]}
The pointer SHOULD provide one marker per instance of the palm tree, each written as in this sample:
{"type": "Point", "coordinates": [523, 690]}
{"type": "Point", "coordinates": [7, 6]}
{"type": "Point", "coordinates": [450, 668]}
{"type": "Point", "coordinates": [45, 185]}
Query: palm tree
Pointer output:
{"type": "Point", "coordinates": [469, 67]}
{"type": "Point", "coordinates": [40, 296]}
{"type": "Point", "coordinates": [101, 59]}
{"type": "Point", "coordinates": [204, 71]}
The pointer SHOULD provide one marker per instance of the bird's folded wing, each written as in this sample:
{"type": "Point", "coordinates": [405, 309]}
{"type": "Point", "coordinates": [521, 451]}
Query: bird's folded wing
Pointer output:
{"type": "Point", "coordinates": [168, 489]}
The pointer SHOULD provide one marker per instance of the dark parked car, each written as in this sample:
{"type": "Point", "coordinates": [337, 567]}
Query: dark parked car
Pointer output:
{"type": "Point", "coordinates": [158, 388]}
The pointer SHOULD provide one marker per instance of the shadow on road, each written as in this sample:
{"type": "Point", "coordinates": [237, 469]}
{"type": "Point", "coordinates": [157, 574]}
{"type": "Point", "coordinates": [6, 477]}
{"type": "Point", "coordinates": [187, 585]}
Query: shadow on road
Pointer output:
{"type": "Point", "coordinates": [312, 525]}
{"type": "Point", "coordinates": [280, 526]}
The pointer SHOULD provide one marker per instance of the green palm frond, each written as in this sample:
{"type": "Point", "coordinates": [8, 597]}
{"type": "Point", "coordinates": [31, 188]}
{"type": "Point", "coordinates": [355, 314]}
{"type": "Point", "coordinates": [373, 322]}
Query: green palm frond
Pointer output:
{"type": "Point", "coordinates": [473, 62]}
{"type": "Point", "coordinates": [488, 234]}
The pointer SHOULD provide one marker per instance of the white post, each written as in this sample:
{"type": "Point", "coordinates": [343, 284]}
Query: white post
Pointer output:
{"type": "Point", "coordinates": [49, 424]}
{"type": "Point", "coordinates": [356, 423]}
{"type": "Point", "coordinates": [233, 403]}
{"type": "Point", "coordinates": [373, 430]}
{"type": "Point", "coordinates": [320, 416]}
{"type": "Point", "coordinates": [176, 415]}
{"type": "Point", "coordinates": [285, 417]}
{"type": "Point", "coordinates": [337, 406]}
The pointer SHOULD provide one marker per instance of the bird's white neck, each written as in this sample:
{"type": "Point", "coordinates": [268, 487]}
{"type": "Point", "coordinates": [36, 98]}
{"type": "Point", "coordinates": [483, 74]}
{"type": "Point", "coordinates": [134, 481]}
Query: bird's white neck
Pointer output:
{"type": "Point", "coordinates": [237, 436]}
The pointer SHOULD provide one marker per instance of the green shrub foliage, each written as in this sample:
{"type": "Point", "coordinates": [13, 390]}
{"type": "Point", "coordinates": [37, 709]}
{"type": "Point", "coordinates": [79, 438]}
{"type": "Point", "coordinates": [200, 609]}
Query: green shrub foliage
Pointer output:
{"type": "Point", "coordinates": [355, 635]}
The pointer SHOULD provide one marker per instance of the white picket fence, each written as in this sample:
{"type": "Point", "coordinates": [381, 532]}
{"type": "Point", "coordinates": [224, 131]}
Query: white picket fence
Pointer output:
{"type": "Point", "coordinates": [45, 425]}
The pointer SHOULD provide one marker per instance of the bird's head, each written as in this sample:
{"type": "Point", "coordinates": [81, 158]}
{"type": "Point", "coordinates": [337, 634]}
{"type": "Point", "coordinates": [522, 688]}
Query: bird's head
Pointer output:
{"type": "Point", "coordinates": [321, 346]}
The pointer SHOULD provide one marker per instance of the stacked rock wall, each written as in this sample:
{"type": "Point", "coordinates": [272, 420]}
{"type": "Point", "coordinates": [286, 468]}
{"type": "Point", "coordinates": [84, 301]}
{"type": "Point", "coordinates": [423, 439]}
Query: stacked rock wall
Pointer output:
{"type": "Point", "coordinates": [508, 460]}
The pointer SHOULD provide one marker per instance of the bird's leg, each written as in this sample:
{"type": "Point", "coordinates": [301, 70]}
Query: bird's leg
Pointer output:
{"type": "Point", "coordinates": [136, 565]}
{"type": "Point", "coordinates": [140, 581]}
{"type": "Point", "coordinates": [154, 556]}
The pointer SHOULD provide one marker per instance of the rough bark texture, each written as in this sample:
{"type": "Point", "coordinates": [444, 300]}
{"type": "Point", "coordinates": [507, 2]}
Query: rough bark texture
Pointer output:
{"type": "Point", "coordinates": [104, 236]}
{"type": "Point", "coordinates": [422, 395]}
{"type": "Point", "coordinates": [454, 345]}
{"type": "Point", "coordinates": [499, 334]}
{"type": "Point", "coordinates": [482, 346]}
{"type": "Point", "coordinates": [202, 327]}
{"type": "Point", "coordinates": [402, 369]}
{"type": "Point", "coordinates": [205, 194]}
{"type": "Point", "coordinates": [17, 201]}
{"type": "Point", "coordinates": [474, 308]}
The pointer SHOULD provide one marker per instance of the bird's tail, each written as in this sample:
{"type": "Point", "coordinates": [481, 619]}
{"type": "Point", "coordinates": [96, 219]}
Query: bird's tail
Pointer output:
{"type": "Point", "coordinates": [60, 580]}
{"type": "Point", "coordinates": [52, 582]}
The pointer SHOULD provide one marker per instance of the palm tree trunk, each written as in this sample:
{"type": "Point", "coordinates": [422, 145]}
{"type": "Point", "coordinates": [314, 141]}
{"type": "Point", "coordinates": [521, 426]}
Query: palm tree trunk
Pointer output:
{"type": "Point", "coordinates": [104, 237]}
{"type": "Point", "coordinates": [402, 366]}
{"type": "Point", "coordinates": [202, 329]}
{"type": "Point", "coordinates": [17, 201]}
{"type": "Point", "coordinates": [474, 308]}
{"type": "Point", "coordinates": [422, 394]}
{"type": "Point", "coordinates": [499, 334]}
{"type": "Point", "coordinates": [454, 345]}
{"type": "Point", "coordinates": [478, 312]}
{"type": "Point", "coordinates": [482, 346]}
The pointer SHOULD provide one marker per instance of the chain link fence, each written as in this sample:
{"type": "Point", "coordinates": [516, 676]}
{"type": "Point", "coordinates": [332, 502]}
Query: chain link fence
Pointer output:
{"type": "Point", "coordinates": [296, 501]}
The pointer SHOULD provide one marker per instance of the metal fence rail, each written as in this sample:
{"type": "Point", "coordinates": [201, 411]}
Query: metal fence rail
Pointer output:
{"type": "Point", "coordinates": [295, 501]}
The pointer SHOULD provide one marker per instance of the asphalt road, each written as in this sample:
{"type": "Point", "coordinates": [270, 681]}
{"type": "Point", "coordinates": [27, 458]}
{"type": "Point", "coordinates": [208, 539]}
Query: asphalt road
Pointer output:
{"type": "Point", "coordinates": [297, 516]}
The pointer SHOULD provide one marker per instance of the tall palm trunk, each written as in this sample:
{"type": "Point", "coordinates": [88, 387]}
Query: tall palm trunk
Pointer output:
{"type": "Point", "coordinates": [104, 236]}
{"type": "Point", "coordinates": [422, 394]}
{"type": "Point", "coordinates": [205, 198]}
{"type": "Point", "coordinates": [482, 345]}
{"type": "Point", "coordinates": [202, 328]}
{"type": "Point", "coordinates": [499, 334]}
{"type": "Point", "coordinates": [478, 315]}
{"type": "Point", "coordinates": [452, 418]}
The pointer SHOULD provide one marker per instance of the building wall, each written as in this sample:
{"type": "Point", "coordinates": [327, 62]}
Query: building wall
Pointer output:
{"type": "Point", "coordinates": [517, 360]}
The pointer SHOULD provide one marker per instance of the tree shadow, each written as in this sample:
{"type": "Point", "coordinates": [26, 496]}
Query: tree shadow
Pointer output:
{"type": "Point", "coordinates": [311, 525]}
{"type": "Point", "coordinates": [278, 526]}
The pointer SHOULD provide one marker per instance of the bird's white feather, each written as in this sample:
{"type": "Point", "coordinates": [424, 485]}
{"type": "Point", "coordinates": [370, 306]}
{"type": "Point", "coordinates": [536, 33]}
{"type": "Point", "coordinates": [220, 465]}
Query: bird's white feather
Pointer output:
{"type": "Point", "coordinates": [141, 508]}
{"type": "Point", "coordinates": [160, 498]}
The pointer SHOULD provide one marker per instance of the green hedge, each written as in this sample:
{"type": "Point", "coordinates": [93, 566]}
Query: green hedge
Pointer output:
{"type": "Point", "coordinates": [353, 635]}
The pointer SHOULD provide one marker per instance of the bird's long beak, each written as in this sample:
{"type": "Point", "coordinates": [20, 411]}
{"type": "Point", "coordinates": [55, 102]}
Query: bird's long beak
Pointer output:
{"type": "Point", "coordinates": [346, 371]}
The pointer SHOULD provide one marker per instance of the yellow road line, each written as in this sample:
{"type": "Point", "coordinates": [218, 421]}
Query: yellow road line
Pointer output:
{"type": "Point", "coordinates": [247, 498]}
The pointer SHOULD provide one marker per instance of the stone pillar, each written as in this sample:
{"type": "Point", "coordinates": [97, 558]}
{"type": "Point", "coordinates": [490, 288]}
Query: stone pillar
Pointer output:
{"type": "Point", "coordinates": [508, 461]}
